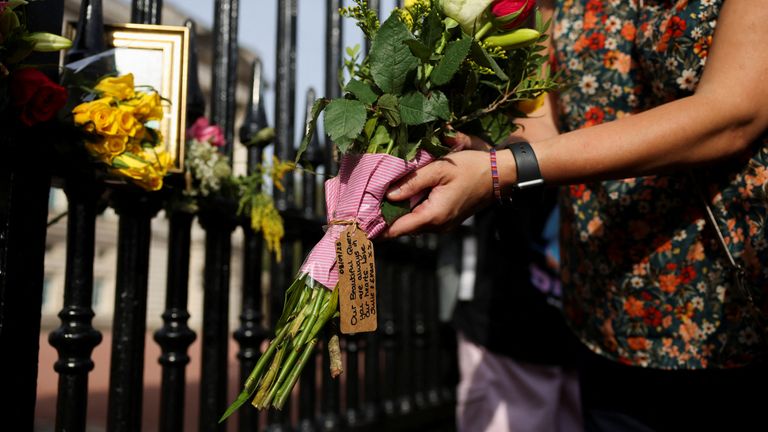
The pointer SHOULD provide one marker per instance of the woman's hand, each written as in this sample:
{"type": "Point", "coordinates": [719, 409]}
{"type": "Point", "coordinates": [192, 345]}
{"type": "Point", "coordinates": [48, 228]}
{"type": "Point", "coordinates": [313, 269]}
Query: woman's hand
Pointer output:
{"type": "Point", "coordinates": [459, 185]}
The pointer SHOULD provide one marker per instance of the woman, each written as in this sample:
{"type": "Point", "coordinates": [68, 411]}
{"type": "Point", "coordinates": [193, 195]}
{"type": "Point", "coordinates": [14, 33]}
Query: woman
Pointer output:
{"type": "Point", "coordinates": [649, 287]}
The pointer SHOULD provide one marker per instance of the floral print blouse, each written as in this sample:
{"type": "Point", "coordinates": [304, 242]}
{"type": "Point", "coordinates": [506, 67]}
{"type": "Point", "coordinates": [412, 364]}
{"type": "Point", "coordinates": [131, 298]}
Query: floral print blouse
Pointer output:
{"type": "Point", "coordinates": [646, 281]}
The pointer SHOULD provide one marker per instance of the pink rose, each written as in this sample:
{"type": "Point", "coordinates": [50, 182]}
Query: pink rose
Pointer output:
{"type": "Point", "coordinates": [36, 97]}
{"type": "Point", "coordinates": [201, 130]}
{"type": "Point", "coordinates": [510, 14]}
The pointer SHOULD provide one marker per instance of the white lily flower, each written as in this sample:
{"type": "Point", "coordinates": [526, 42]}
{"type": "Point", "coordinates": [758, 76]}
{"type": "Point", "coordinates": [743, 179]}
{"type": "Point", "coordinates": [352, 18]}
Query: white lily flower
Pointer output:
{"type": "Point", "coordinates": [468, 13]}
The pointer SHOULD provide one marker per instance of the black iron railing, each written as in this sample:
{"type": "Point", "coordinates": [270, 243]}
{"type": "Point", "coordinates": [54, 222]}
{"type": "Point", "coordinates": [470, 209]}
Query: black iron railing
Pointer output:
{"type": "Point", "coordinates": [395, 378]}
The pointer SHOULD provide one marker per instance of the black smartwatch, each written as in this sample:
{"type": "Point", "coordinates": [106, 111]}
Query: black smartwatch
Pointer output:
{"type": "Point", "coordinates": [528, 173]}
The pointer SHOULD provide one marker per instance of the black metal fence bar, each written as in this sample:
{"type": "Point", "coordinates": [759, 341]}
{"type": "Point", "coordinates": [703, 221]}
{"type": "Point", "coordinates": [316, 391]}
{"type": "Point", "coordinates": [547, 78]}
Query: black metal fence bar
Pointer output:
{"type": "Point", "coordinates": [334, 47]}
{"type": "Point", "coordinates": [175, 336]}
{"type": "Point", "coordinates": [130, 314]}
{"type": "Point", "coordinates": [147, 11]}
{"type": "Point", "coordinates": [136, 210]}
{"type": "Point", "coordinates": [76, 337]}
{"type": "Point", "coordinates": [219, 223]}
{"type": "Point", "coordinates": [285, 102]}
{"type": "Point", "coordinates": [24, 191]}
{"type": "Point", "coordinates": [313, 159]}
{"type": "Point", "coordinates": [252, 331]}
{"type": "Point", "coordinates": [224, 79]}
{"type": "Point", "coordinates": [215, 335]}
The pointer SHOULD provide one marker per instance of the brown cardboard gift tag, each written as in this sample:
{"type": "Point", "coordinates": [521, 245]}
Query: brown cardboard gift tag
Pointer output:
{"type": "Point", "coordinates": [357, 281]}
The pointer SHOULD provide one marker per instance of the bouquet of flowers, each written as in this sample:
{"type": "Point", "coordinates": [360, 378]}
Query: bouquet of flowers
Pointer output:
{"type": "Point", "coordinates": [433, 67]}
{"type": "Point", "coordinates": [118, 121]}
{"type": "Point", "coordinates": [209, 175]}
{"type": "Point", "coordinates": [32, 95]}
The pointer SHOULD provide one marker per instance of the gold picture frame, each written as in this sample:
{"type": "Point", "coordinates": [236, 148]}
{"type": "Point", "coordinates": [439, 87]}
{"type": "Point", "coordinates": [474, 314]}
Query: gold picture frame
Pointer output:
{"type": "Point", "coordinates": [158, 56]}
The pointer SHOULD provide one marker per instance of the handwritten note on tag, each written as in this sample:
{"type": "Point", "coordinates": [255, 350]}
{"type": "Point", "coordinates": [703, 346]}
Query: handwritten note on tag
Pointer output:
{"type": "Point", "coordinates": [357, 281]}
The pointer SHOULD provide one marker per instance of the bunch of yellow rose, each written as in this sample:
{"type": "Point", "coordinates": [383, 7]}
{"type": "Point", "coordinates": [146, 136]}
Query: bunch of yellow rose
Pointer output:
{"type": "Point", "coordinates": [118, 134]}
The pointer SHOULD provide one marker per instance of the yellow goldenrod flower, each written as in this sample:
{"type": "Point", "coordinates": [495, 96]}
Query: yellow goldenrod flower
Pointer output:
{"type": "Point", "coordinates": [120, 88]}
{"type": "Point", "coordinates": [278, 170]}
{"type": "Point", "coordinates": [266, 218]}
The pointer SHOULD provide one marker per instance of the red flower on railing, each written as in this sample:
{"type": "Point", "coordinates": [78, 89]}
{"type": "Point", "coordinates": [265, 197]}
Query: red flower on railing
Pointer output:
{"type": "Point", "coordinates": [35, 96]}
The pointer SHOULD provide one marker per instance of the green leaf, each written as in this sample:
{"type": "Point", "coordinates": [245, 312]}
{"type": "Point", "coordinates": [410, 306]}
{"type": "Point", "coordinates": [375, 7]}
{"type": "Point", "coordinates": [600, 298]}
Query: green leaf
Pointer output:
{"type": "Point", "coordinates": [362, 91]}
{"type": "Point", "coordinates": [352, 51]}
{"type": "Point", "coordinates": [389, 107]}
{"type": "Point", "coordinates": [344, 144]}
{"type": "Point", "coordinates": [381, 136]}
{"type": "Point", "coordinates": [434, 146]}
{"type": "Point", "coordinates": [344, 119]}
{"type": "Point", "coordinates": [409, 150]}
{"type": "Point", "coordinates": [455, 54]}
{"type": "Point", "coordinates": [539, 21]}
{"type": "Point", "coordinates": [241, 399]}
{"type": "Point", "coordinates": [497, 127]}
{"type": "Point", "coordinates": [481, 56]}
{"type": "Point", "coordinates": [309, 128]}
{"type": "Point", "coordinates": [370, 126]}
{"type": "Point", "coordinates": [416, 109]}
{"type": "Point", "coordinates": [379, 140]}
{"type": "Point", "coordinates": [390, 59]}
{"type": "Point", "coordinates": [419, 50]}
{"type": "Point", "coordinates": [432, 30]}
{"type": "Point", "coordinates": [392, 211]}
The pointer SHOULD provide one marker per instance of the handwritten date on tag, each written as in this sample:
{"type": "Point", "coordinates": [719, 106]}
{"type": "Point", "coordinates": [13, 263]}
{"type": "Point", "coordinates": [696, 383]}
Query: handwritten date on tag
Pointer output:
{"type": "Point", "coordinates": [357, 281]}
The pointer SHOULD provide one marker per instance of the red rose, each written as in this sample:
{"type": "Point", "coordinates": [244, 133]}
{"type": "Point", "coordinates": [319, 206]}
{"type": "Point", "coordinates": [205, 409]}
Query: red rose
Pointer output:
{"type": "Point", "coordinates": [512, 13]}
{"type": "Point", "coordinates": [36, 97]}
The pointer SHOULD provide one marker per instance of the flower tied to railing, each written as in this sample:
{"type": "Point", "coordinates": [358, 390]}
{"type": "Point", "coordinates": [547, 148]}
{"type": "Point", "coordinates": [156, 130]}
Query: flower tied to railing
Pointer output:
{"type": "Point", "coordinates": [32, 97]}
{"type": "Point", "coordinates": [119, 124]}
{"type": "Point", "coordinates": [433, 67]}
{"type": "Point", "coordinates": [256, 202]}
{"type": "Point", "coordinates": [209, 177]}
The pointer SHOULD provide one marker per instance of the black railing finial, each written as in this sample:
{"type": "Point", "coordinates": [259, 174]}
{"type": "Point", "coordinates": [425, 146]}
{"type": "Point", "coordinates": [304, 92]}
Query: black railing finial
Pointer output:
{"type": "Point", "coordinates": [255, 117]}
{"type": "Point", "coordinates": [313, 156]}
{"type": "Point", "coordinates": [90, 32]}
{"type": "Point", "coordinates": [195, 98]}
{"type": "Point", "coordinates": [147, 11]}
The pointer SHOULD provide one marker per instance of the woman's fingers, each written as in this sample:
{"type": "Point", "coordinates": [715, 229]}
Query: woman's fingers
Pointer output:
{"type": "Point", "coordinates": [458, 185]}
{"type": "Point", "coordinates": [415, 182]}
{"type": "Point", "coordinates": [412, 222]}
{"type": "Point", "coordinates": [458, 141]}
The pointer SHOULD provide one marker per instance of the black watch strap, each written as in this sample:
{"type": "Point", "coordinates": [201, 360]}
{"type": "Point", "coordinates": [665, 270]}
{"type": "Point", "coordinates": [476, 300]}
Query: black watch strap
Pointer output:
{"type": "Point", "coordinates": [528, 173]}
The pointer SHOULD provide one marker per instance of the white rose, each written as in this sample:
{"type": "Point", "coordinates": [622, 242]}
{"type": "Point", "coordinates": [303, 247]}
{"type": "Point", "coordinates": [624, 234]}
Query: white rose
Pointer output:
{"type": "Point", "coordinates": [468, 13]}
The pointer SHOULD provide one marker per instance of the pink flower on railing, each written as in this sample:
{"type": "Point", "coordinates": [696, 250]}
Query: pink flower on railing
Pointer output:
{"type": "Point", "coordinates": [201, 130]}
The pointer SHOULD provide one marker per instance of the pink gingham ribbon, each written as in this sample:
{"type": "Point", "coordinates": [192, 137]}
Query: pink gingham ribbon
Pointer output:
{"type": "Point", "coordinates": [356, 195]}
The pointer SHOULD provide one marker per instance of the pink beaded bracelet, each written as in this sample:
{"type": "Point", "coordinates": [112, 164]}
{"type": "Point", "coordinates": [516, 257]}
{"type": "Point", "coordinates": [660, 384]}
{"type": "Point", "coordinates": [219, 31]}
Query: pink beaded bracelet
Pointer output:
{"type": "Point", "coordinates": [495, 175]}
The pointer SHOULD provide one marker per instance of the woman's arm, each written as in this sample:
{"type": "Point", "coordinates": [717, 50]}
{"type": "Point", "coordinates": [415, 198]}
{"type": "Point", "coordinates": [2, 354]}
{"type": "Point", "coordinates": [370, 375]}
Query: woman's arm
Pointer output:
{"type": "Point", "coordinates": [728, 111]}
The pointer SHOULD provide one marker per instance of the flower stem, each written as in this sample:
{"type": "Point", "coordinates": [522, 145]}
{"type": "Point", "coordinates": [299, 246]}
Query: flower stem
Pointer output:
{"type": "Point", "coordinates": [285, 392]}
{"type": "Point", "coordinates": [483, 30]}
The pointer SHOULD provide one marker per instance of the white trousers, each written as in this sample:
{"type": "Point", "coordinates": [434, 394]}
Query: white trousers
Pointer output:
{"type": "Point", "coordinates": [499, 394]}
